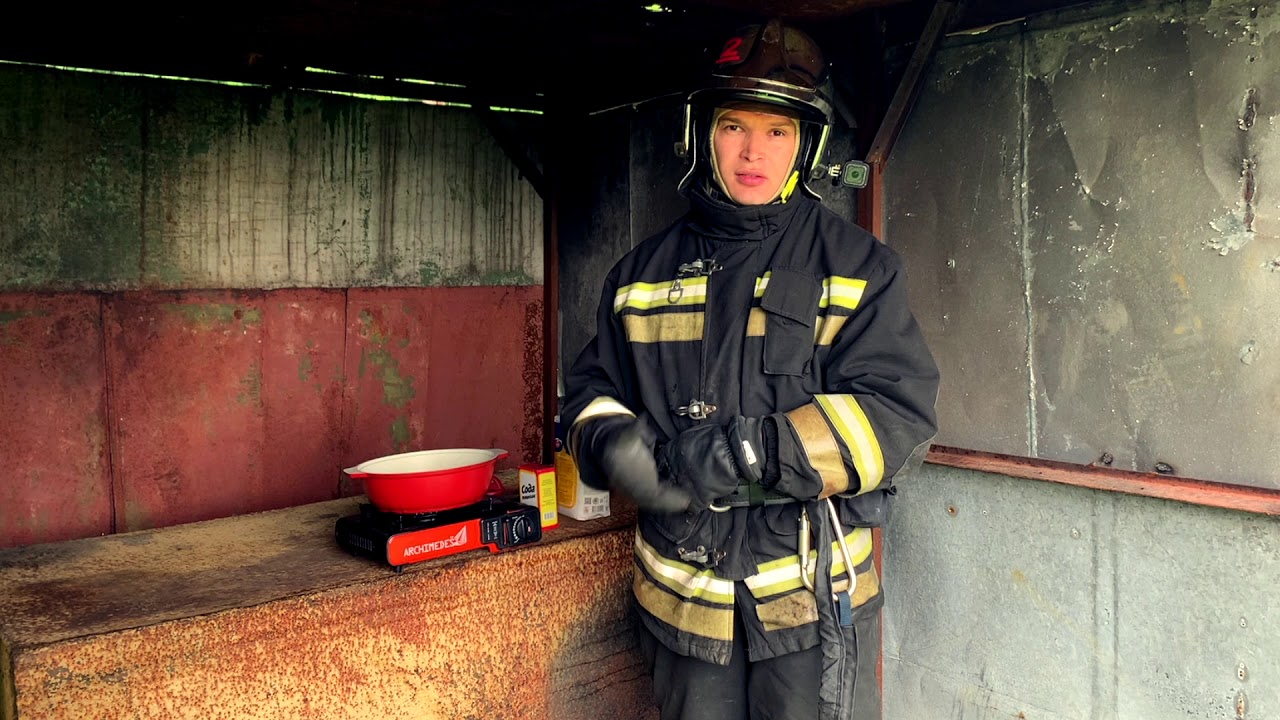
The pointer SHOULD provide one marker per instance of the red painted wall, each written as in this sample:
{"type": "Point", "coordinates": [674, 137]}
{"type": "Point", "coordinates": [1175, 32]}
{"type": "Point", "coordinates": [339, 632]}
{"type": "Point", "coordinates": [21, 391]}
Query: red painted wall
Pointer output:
{"type": "Point", "coordinates": [135, 410]}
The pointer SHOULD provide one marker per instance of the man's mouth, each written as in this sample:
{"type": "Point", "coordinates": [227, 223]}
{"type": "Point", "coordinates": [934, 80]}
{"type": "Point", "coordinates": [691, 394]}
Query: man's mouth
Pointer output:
{"type": "Point", "coordinates": [750, 179]}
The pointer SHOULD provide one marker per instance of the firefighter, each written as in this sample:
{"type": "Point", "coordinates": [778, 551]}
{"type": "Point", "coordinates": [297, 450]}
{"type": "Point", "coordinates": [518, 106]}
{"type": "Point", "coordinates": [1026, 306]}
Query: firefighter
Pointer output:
{"type": "Point", "coordinates": [757, 384]}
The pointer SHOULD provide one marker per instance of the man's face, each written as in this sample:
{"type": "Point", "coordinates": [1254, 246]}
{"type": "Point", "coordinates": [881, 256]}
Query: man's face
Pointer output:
{"type": "Point", "coordinates": [755, 152]}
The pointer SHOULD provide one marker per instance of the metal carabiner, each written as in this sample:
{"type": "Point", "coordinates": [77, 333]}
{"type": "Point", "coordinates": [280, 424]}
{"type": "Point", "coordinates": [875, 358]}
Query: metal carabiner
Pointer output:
{"type": "Point", "coordinates": [804, 542]}
{"type": "Point", "coordinates": [844, 546]}
{"type": "Point", "coordinates": [676, 292]}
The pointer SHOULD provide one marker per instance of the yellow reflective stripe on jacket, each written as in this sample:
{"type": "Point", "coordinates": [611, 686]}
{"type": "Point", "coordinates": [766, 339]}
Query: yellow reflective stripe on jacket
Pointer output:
{"type": "Point", "coordinates": [799, 608]}
{"type": "Point", "coordinates": [715, 622]}
{"type": "Point", "coordinates": [836, 291]}
{"type": "Point", "coordinates": [854, 430]}
{"type": "Point", "coordinates": [842, 292]}
{"type": "Point", "coordinates": [681, 578]}
{"type": "Point", "coordinates": [603, 405]}
{"type": "Point", "coordinates": [824, 331]}
{"type": "Point", "coordinates": [820, 448]}
{"type": "Point", "coordinates": [663, 327]}
{"type": "Point", "coordinates": [783, 575]}
{"type": "Point", "coordinates": [646, 296]}
{"type": "Point", "coordinates": [762, 282]}
{"type": "Point", "coordinates": [828, 327]}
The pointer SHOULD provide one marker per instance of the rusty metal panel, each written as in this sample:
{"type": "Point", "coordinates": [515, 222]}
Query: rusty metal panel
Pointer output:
{"type": "Point", "coordinates": [52, 422]}
{"type": "Point", "coordinates": [953, 190]}
{"type": "Point", "coordinates": [486, 371]}
{"type": "Point", "coordinates": [185, 372]}
{"type": "Point", "coordinates": [122, 183]}
{"type": "Point", "coordinates": [71, 176]}
{"type": "Point", "coordinates": [1117, 275]}
{"type": "Point", "coordinates": [201, 383]}
{"type": "Point", "coordinates": [263, 616]}
{"type": "Point", "coordinates": [1147, 265]}
{"type": "Point", "coordinates": [1154, 230]}
{"type": "Point", "coordinates": [303, 392]}
{"type": "Point", "coordinates": [444, 368]}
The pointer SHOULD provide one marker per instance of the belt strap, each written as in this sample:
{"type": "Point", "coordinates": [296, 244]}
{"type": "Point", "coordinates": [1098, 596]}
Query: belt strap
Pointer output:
{"type": "Point", "coordinates": [750, 493]}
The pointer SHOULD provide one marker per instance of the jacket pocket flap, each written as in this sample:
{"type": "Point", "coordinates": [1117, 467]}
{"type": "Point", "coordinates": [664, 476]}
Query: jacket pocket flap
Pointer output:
{"type": "Point", "coordinates": [793, 294]}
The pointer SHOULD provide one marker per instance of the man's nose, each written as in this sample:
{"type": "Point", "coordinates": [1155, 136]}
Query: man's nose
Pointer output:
{"type": "Point", "coordinates": [751, 147]}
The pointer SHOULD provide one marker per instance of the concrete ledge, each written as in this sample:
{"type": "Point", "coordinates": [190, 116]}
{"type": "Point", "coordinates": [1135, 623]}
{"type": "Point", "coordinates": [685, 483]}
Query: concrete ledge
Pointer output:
{"type": "Point", "coordinates": [264, 616]}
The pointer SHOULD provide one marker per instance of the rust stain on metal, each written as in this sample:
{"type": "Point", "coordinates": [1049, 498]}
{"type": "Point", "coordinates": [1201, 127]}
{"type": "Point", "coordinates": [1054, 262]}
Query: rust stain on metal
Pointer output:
{"type": "Point", "coordinates": [1198, 492]}
{"type": "Point", "coordinates": [532, 377]}
{"type": "Point", "coordinates": [225, 402]}
{"type": "Point", "coordinates": [53, 434]}
{"type": "Point", "coordinates": [1250, 112]}
{"type": "Point", "coordinates": [1249, 181]}
{"type": "Point", "coordinates": [309, 632]}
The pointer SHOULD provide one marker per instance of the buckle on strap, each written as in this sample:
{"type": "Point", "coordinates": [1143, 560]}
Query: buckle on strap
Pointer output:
{"type": "Point", "coordinates": [701, 555]}
{"type": "Point", "coordinates": [696, 409]}
{"type": "Point", "coordinates": [697, 268]}
{"type": "Point", "coordinates": [750, 493]}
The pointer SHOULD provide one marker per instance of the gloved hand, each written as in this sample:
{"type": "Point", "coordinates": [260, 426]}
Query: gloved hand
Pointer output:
{"type": "Point", "coordinates": [710, 460]}
{"type": "Point", "coordinates": [615, 452]}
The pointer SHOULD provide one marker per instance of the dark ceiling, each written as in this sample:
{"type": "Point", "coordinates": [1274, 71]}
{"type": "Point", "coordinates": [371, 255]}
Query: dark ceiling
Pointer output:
{"type": "Point", "coordinates": [574, 54]}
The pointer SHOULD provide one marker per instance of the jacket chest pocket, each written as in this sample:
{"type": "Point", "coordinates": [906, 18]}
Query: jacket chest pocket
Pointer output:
{"type": "Point", "coordinates": [790, 306]}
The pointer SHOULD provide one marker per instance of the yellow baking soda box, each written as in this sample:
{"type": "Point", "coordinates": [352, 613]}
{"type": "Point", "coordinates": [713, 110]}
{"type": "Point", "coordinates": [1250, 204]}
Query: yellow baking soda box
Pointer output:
{"type": "Point", "coordinates": [538, 488]}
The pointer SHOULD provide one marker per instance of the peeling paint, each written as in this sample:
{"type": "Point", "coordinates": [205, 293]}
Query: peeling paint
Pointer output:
{"type": "Point", "coordinates": [251, 387]}
{"type": "Point", "coordinates": [1249, 352]}
{"type": "Point", "coordinates": [1238, 22]}
{"type": "Point", "coordinates": [1233, 233]}
{"type": "Point", "coordinates": [1058, 51]}
{"type": "Point", "coordinates": [8, 316]}
{"type": "Point", "coordinates": [397, 390]}
{"type": "Point", "coordinates": [207, 315]}
{"type": "Point", "coordinates": [1249, 112]}
{"type": "Point", "coordinates": [305, 368]}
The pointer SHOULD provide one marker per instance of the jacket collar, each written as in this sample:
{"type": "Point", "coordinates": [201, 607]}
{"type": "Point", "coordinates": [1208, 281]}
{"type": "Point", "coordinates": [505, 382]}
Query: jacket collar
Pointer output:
{"type": "Point", "coordinates": [713, 215]}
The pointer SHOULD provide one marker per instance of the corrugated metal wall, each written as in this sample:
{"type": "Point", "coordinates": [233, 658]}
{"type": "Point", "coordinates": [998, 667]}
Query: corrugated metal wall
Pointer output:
{"type": "Point", "coordinates": [212, 299]}
{"type": "Point", "coordinates": [1087, 206]}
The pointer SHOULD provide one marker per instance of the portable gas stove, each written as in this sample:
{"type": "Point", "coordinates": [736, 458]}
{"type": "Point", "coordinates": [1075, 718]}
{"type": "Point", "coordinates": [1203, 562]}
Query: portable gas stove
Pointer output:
{"type": "Point", "coordinates": [398, 539]}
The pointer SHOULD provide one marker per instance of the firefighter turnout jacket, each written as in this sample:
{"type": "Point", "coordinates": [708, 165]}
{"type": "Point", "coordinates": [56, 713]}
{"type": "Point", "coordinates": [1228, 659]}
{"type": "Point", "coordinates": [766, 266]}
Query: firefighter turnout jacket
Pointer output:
{"type": "Point", "coordinates": [787, 310]}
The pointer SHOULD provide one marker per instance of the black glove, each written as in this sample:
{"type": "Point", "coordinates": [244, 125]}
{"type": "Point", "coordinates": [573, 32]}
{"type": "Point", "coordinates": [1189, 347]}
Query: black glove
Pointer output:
{"type": "Point", "coordinates": [615, 452]}
{"type": "Point", "coordinates": [711, 460]}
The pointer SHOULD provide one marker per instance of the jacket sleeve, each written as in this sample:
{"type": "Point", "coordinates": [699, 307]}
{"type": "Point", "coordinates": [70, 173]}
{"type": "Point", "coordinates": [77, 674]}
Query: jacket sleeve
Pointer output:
{"type": "Point", "coordinates": [876, 417]}
{"type": "Point", "coordinates": [601, 380]}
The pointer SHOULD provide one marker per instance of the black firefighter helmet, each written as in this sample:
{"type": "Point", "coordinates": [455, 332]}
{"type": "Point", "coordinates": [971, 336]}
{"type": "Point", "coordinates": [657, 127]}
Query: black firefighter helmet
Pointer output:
{"type": "Point", "coordinates": [768, 64]}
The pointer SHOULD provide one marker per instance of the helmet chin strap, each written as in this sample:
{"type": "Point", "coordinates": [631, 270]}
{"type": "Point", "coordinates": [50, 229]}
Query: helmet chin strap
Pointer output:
{"type": "Point", "coordinates": [786, 185]}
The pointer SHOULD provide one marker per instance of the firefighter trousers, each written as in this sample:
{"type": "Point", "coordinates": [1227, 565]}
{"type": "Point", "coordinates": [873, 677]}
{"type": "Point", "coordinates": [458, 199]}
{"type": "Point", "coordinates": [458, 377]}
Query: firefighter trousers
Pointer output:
{"type": "Point", "coordinates": [781, 688]}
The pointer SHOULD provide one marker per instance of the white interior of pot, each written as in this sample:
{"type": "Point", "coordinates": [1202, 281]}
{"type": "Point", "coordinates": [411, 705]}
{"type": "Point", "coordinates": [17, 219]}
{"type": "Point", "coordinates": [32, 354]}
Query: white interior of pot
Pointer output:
{"type": "Point", "coordinates": [427, 461]}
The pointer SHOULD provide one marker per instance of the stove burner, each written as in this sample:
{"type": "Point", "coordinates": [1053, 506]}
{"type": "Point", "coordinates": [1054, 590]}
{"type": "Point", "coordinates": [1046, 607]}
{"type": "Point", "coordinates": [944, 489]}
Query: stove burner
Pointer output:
{"type": "Point", "coordinates": [398, 539]}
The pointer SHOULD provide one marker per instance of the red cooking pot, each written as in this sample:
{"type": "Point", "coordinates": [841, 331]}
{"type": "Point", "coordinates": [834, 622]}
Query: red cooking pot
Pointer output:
{"type": "Point", "coordinates": [428, 480]}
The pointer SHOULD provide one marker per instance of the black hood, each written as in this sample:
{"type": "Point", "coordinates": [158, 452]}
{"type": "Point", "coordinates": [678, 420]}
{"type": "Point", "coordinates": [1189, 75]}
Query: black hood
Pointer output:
{"type": "Point", "coordinates": [712, 214]}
